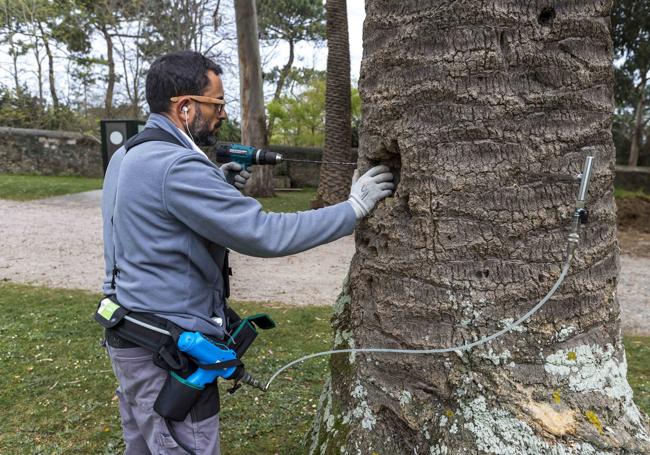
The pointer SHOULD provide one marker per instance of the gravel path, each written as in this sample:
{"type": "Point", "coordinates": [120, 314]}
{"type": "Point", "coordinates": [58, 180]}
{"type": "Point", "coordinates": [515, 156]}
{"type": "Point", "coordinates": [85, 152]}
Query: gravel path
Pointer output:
{"type": "Point", "coordinates": [57, 242]}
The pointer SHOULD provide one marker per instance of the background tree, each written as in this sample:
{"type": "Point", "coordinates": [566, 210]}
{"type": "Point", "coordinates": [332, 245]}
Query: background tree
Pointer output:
{"type": "Point", "coordinates": [334, 183]}
{"type": "Point", "coordinates": [132, 59]}
{"type": "Point", "coordinates": [253, 119]}
{"type": "Point", "coordinates": [104, 17]}
{"type": "Point", "coordinates": [485, 115]}
{"type": "Point", "coordinates": [44, 22]}
{"type": "Point", "coordinates": [174, 25]}
{"type": "Point", "coordinates": [631, 35]}
{"type": "Point", "coordinates": [300, 119]}
{"type": "Point", "coordinates": [291, 21]}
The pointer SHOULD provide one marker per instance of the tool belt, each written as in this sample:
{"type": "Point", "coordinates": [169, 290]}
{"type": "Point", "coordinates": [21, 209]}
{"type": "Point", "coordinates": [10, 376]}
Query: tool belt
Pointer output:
{"type": "Point", "coordinates": [121, 330]}
{"type": "Point", "coordinates": [126, 328]}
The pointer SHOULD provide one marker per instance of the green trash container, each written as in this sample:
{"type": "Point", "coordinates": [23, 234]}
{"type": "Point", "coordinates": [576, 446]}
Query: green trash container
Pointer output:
{"type": "Point", "coordinates": [115, 133]}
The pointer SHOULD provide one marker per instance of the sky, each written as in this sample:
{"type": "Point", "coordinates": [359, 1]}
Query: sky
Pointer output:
{"type": "Point", "coordinates": [356, 15]}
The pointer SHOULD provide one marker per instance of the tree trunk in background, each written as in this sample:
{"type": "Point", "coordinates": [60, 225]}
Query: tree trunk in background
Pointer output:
{"type": "Point", "coordinates": [108, 100]}
{"type": "Point", "coordinates": [14, 59]}
{"type": "Point", "coordinates": [253, 121]}
{"type": "Point", "coordinates": [334, 184]}
{"type": "Point", "coordinates": [485, 111]}
{"type": "Point", "coordinates": [637, 132]}
{"type": "Point", "coordinates": [39, 70]}
{"type": "Point", "coordinates": [50, 69]}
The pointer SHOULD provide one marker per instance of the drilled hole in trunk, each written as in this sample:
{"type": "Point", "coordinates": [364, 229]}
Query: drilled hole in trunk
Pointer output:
{"type": "Point", "coordinates": [546, 16]}
{"type": "Point", "coordinates": [394, 163]}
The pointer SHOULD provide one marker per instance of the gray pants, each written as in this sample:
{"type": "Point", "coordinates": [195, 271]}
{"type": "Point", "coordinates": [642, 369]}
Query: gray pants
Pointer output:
{"type": "Point", "coordinates": [144, 430]}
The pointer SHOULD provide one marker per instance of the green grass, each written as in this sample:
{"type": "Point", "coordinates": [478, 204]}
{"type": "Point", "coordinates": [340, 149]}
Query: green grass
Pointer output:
{"type": "Point", "coordinates": [288, 201]}
{"type": "Point", "coordinates": [638, 372]}
{"type": "Point", "coordinates": [29, 187]}
{"type": "Point", "coordinates": [58, 387]}
{"type": "Point", "coordinates": [620, 193]}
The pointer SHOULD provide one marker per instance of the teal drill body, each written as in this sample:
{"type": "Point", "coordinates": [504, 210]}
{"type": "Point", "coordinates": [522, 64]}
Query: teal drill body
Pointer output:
{"type": "Point", "coordinates": [246, 155]}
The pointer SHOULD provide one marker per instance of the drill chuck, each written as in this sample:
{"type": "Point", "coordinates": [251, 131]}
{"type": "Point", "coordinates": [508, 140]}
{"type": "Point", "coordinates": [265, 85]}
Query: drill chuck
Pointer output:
{"type": "Point", "coordinates": [267, 157]}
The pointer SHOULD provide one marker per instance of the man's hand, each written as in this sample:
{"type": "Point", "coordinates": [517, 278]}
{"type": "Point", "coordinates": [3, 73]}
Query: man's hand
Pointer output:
{"type": "Point", "coordinates": [235, 175]}
{"type": "Point", "coordinates": [372, 187]}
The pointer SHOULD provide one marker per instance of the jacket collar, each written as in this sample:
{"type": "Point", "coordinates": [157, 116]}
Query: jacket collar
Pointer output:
{"type": "Point", "coordinates": [162, 122]}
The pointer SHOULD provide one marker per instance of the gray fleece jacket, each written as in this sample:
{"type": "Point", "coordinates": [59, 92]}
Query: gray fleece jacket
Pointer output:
{"type": "Point", "coordinates": [169, 214]}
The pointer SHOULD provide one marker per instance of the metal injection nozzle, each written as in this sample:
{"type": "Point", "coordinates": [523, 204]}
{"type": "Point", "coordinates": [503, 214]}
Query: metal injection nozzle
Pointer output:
{"type": "Point", "coordinates": [580, 215]}
{"type": "Point", "coordinates": [251, 381]}
{"type": "Point", "coordinates": [584, 179]}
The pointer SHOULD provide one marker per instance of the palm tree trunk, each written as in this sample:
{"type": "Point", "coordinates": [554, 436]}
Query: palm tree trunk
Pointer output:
{"type": "Point", "coordinates": [485, 112]}
{"type": "Point", "coordinates": [253, 120]}
{"type": "Point", "coordinates": [334, 183]}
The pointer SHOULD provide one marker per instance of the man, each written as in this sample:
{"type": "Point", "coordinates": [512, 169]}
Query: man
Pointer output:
{"type": "Point", "coordinates": [169, 215]}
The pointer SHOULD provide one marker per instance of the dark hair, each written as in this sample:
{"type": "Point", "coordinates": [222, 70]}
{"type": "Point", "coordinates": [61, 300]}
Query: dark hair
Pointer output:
{"type": "Point", "coordinates": [177, 74]}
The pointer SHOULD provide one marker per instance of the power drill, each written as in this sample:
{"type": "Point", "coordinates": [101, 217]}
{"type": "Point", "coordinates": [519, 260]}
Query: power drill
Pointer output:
{"type": "Point", "coordinates": [246, 155]}
{"type": "Point", "coordinates": [209, 352]}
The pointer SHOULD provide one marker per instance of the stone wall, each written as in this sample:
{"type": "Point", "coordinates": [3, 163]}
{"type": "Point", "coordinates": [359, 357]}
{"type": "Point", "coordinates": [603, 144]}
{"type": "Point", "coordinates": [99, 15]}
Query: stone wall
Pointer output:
{"type": "Point", "coordinates": [43, 152]}
{"type": "Point", "coordinates": [633, 178]}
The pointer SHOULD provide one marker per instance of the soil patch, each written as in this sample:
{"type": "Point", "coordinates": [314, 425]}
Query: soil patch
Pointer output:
{"type": "Point", "coordinates": [633, 215]}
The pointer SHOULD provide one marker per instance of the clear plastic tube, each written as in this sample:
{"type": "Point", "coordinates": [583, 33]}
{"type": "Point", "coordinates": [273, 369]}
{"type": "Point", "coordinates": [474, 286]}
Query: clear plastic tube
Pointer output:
{"type": "Point", "coordinates": [463, 347]}
{"type": "Point", "coordinates": [572, 243]}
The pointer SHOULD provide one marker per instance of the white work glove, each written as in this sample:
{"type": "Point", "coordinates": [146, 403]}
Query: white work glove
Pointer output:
{"type": "Point", "coordinates": [372, 187]}
{"type": "Point", "coordinates": [235, 175]}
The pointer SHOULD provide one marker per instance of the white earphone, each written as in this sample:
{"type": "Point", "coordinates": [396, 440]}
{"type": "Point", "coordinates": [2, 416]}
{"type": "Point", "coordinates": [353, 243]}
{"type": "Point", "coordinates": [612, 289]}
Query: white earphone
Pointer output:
{"type": "Point", "coordinates": [185, 109]}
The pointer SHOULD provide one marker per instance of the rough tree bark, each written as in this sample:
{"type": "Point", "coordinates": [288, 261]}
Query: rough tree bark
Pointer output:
{"type": "Point", "coordinates": [253, 120]}
{"type": "Point", "coordinates": [485, 110]}
{"type": "Point", "coordinates": [334, 184]}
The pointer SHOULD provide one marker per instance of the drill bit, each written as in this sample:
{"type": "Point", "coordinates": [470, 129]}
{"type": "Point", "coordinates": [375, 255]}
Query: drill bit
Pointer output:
{"type": "Point", "coordinates": [346, 163]}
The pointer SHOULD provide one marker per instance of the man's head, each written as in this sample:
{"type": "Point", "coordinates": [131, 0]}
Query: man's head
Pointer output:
{"type": "Point", "coordinates": [188, 76]}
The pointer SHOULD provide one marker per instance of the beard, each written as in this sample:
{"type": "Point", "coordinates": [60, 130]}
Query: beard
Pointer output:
{"type": "Point", "coordinates": [203, 135]}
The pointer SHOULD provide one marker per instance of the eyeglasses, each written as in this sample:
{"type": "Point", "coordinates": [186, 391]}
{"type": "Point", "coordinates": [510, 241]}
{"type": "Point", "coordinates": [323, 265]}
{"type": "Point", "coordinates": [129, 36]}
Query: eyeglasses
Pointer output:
{"type": "Point", "coordinates": [219, 104]}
